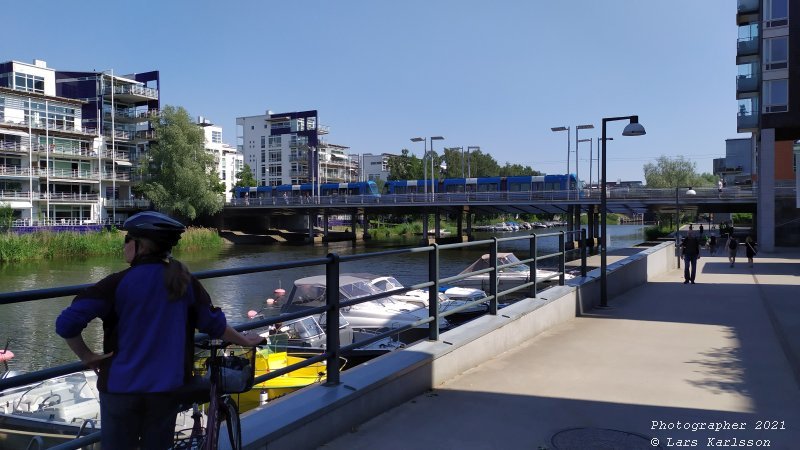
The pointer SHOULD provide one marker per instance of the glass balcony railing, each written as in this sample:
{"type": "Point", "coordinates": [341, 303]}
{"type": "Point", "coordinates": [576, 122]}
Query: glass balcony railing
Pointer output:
{"type": "Point", "coordinates": [746, 122]}
{"type": "Point", "coordinates": [747, 6]}
{"type": "Point", "coordinates": [747, 46]}
{"type": "Point", "coordinates": [747, 83]}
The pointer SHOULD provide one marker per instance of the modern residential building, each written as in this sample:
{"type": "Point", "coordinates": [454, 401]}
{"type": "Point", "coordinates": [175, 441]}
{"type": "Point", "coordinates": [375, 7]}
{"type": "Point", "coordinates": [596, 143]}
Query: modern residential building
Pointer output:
{"type": "Point", "coordinates": [736, 168]}
{"type": "Point", "coordinates": [60, 161]}
{"type": "Point", "coordinates": [227, 160]}
{"type": "Point", "coordinates": [289, 148]}
{"type": "Point", "coordinates": [768, 91]}
{"type": "Point", "coordinates": [375, 167]}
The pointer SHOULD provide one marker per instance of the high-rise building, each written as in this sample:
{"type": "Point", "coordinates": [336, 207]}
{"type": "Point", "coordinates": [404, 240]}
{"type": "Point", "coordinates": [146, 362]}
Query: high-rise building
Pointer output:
{"type": "Point", "coordinates": [768, 91]}
{"type": "Point", "coordinates": [227, 161]}
{"type": "Point", "coordinates": [289, 148]}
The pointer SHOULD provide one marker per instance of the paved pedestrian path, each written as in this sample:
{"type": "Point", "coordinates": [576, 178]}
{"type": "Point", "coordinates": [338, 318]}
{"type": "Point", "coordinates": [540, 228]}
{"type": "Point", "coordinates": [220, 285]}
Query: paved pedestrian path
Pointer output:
{"type": "Point", "coordinates": [668, 364]}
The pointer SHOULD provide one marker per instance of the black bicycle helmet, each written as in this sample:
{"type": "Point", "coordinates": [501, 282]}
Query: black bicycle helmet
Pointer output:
{"type": "Point", "coordinates": [160, 228]}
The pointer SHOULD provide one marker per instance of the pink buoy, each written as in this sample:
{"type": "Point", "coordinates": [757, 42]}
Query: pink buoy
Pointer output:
{"type": "Point", "coordinates": [6, 355]}
{"type": "Point", "coordinates": [270, 301]}
{"type": "Point", "coordinates": [280, 292]}
{"type": "Point", "coordinates": [251, 314]}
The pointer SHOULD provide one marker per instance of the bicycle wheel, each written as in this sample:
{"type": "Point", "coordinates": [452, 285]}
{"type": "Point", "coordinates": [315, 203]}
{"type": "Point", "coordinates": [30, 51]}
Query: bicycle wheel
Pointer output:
{"type": "Point", "coordinates": [232, 422]}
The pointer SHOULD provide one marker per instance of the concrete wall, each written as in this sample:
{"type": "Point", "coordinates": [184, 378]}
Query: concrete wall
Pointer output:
{"type": "Point", "coordinates": [315, 415]}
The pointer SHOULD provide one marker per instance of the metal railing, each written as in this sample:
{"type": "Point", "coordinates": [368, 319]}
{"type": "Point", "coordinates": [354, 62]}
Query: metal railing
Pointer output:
{"type": "Point", "coordinates": [333, 263]}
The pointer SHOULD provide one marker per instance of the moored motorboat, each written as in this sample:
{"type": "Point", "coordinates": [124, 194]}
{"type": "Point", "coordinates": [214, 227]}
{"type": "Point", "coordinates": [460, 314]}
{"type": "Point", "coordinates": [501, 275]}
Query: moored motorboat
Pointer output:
{"type": "Point", "coordinates": [507, 277]}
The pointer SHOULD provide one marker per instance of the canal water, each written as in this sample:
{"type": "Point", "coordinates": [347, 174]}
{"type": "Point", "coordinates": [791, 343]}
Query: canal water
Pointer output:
{"type": "Point", "coordinates": [29, 327]}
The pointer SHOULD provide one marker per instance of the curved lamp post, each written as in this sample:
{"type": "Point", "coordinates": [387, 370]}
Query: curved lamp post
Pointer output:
{"type": "Point", "coordinates": [634, 128]}
{"type": "Point", "coordinates": [678, 220]}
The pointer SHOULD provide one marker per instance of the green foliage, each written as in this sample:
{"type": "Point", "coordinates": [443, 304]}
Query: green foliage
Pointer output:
{"type": "Point", "coordinates": [653, 233]}
{"type": "Point", "coordinates": [6, 216]}
{"type": "Point", "coordinates": [742, 218]}
{"type": "Point", "coordinates": [405, 166]}
{"type": "Point", "coordinates": [245, 178]}
{"type": "Point", "coordinates": [459, 164]}
{"type": "Point", "coordinates": [49, 245]}
{"type": "Point", "coordinates": [180, 177]}
{"type": "Point", "coordinates": [673, 172]}
{"type": "Point", "coordinates": [518, 170]}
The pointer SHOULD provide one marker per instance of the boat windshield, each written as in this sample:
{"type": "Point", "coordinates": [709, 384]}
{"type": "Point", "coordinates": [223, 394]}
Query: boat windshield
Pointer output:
{"type": "Point", "coordinates": [309, 295]}
{"type": "Point", "coordinates": [304, 328]}
{"type": "Point", "coordinates": [384, 284]}
{"type": "Point", "coordinates": [357, 290]}
{"type": "Point", "coordinates": [512, 259]}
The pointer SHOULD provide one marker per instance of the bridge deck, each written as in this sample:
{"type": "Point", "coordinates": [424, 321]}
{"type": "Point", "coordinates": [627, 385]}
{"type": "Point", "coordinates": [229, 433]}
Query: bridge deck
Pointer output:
{"type": "Point", "coordinates": [725, 349]}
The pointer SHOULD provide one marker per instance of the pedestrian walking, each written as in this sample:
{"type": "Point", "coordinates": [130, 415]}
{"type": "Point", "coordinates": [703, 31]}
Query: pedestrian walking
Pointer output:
{"type": "Point", "coordinates": [712, 245]}
{"type": "Point", "coordinates": [691, 252]}
{"type": "Point", "coordinates": [733, 247]}
{"type": "Point", "coordinates": [750, 249]}
{"type": "Point", "coordinates": [719, 186]}
{"type": "Point", "coordinates": [701, 229]}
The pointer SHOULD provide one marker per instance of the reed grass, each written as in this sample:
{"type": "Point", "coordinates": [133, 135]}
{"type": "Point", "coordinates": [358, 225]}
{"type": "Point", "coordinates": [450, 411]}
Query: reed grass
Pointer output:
{"type": "Point", "coordinates": [49, 245]}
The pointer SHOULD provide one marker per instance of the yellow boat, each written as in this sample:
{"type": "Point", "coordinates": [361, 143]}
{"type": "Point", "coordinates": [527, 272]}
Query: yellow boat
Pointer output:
{"type": "Point", "coordinates": [273, 357]}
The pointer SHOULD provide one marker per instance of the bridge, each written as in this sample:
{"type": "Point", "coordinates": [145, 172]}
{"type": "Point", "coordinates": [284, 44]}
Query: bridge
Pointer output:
{"type": "Point", "coordinates": [256, 215]}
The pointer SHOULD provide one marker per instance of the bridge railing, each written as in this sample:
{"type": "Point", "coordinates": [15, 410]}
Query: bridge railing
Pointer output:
{"type": "Point", "coordinates": [732, 193]}
{"type": "Point", "coordinates": [333, 267]}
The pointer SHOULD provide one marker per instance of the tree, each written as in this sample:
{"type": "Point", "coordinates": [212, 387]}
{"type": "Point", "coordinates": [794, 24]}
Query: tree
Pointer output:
{"type": "Point", "coordinates": [405, 166]}
{"type": "Point", "coordinates": [6, 216]}
{"type": "Point", "coordinates": [244, 178]}
{"type": "Point", "coordinates": [674, 172]}
{"type": "Point", "coordinates": [180, 178]}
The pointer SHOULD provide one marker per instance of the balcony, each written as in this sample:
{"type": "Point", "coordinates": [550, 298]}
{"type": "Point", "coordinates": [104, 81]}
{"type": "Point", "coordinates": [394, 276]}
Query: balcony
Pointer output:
{"type": "Point", "coordinates": [69, 174]}
{"type": "Point", "coordinates": [120, 176]}
{"type": "Point", "coordinates": [746, 11]}
{"type": "Point", "coordinates": [68, 197]}
{"type": "Point", "coordinates": [747, 46]}
{"type": "Point", "coordinates": [132, 115]}
{"type": "Point", "coordinates": [23, 125]}
{"type": "Point", "coordinates": [130, 93]}
{"type": "Point", "coordinates": [747, 122]}
{"type": "Point", "coordinates": [15, 172]}
{"type": "Point", "coordinates": [747, 85]}
{"type": "Point", "coordinates": [15, 195]}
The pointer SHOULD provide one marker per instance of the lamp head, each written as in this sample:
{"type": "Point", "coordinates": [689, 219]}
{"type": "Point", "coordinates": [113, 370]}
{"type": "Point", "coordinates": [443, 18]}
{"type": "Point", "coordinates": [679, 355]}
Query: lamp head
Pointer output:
{"type": "Point", "coordinates": [417, 139]}
{"type": "Point", "coordinates": [559, 129]}
{"type": "Point", "coordinates": [691, 192]}
{"type": "Point", "coordinates": [634, 128]}
{"type": "Point", "coordinates": [584, 127]}
{"type": "Point", "coordinates": [437, 138]}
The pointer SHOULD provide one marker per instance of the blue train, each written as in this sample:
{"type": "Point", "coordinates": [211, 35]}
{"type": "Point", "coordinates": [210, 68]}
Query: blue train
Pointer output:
{"type": "Point", "coordinates": [368, 188]}
{"type": "Point", "coordinates": [510, 185]}
{"type": "Point", "coordinates": [486, 184]}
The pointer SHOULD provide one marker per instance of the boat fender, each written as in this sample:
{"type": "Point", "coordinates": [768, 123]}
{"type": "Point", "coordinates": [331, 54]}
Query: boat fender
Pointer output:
{"type": "Point", "coordinates": [251, 314]}
{"type": "Point", "coordinates": [6, 355]}
{"type": "Point", "coordinates": [263, 397]}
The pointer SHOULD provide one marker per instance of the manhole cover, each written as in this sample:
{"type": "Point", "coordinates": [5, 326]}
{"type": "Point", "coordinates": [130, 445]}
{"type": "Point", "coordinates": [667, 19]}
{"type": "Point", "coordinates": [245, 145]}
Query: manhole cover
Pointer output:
{"type": "Point", "coordinates": [601, 439]}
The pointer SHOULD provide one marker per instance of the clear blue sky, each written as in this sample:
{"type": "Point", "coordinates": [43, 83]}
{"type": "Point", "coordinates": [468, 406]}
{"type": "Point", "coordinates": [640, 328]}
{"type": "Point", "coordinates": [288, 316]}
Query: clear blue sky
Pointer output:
{"type": "Point", "coordinates": [495, 74]}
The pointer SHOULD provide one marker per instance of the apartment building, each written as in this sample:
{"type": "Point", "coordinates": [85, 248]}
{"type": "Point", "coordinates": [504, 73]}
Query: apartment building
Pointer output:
{"type": "Point", "coordinates": [290, 148]}
{"type": "Point", "coordinates": [768, 92]}
{"type": "Point", "coordinates": [227, 160]}
{"type": "Point", "coordinates": [375, 167]}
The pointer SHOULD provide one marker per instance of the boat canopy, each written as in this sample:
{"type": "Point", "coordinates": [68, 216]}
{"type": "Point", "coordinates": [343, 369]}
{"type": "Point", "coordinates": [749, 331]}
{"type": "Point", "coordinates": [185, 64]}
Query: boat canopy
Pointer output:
{"type": "Point", "coordinates": [485, 262]}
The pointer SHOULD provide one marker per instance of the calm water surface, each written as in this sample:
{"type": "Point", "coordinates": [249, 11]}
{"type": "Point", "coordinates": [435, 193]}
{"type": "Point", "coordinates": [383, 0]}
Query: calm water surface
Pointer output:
{"type": "Point", "coordinates": [30, 326]}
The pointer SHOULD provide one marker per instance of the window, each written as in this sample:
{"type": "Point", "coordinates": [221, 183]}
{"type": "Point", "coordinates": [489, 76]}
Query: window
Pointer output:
{"type": "Point", "coordinates": [776, 13]}
{"type": "Point", "coordinates": [28, 83]}
{"type": "Point", "coordinates": [263, 141]}
{"type": "Point", "coordinates": [776, 53]}
{"type": "Point", "coordinates": [274, 141]}
{"type": "Point", "coordinates": [776, 96]}
{"type": "Point", "coordinates": [216, 137]}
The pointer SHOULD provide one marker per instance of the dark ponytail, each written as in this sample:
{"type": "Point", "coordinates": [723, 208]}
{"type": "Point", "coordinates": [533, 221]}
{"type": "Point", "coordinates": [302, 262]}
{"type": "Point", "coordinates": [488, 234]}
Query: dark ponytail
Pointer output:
{"type": "Point", "coordinates": [176, 278]}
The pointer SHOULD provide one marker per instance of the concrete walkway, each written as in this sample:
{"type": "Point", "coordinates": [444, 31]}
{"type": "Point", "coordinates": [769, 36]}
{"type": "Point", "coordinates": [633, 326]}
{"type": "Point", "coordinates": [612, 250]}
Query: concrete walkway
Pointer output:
{"type": "Point", "coordinates": [723, 351]}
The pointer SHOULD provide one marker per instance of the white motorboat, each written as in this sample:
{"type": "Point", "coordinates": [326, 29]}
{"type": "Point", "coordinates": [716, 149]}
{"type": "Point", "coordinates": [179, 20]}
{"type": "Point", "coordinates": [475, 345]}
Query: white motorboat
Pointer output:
{"type": "Point", "coordinates": [381, 314]}
{"type": "Point", "coordinates": [507, 277]}
{"type": "Point", "coordinates": [450, 298]}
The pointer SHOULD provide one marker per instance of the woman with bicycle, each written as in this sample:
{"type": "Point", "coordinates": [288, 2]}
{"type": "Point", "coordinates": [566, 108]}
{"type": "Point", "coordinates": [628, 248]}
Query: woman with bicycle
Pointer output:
{"type": "Point", "coordinates": [150, 312]}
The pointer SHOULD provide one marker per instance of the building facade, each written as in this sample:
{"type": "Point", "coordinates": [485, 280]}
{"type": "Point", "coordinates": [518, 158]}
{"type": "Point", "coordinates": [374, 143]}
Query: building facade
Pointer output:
{"type": "Point", "coordinates": [227, 160]}
{"type": "Point", "coordinates": [69, 142]}
{"type": "Point", "coordinates": [290, 148]}
{"type": "Point", "coordinates": [736, 168]}
{"type": "Point", "coordinates": [768, 92]}
{"type": "Point", "coordinates": [375, 167]}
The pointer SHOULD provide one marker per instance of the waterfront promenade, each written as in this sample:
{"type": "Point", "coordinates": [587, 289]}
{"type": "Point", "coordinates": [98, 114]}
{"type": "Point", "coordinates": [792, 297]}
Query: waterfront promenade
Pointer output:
{"type": "Point", "coordinates": [723, 351]}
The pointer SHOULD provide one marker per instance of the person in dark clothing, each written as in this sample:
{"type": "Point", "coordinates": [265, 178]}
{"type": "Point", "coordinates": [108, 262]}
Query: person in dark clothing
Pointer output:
{"type": "Point", "coordinates": [733, 247]}
{"type": "Point", "coordinates": [712, 245]}
{"type": "Point", "coordinates": [149, 312]}
{"type": "Point", "coordinates": [750, 249]}
{"type": "Point", "coordinates": [691, 251]}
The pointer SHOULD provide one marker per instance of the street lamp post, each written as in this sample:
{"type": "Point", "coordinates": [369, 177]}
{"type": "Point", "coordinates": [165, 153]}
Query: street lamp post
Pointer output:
{"type": "Point", "coordinates": [678, 220]}
{"type": "Point", "coordinates": [469, 166]}
{"type": "Point", "coordinates": [590, 141]}
{"type": "Point", "coordinates": [577, 166]}
{"type": "Point", "coordinates": [433, 179]}
{"type": "Point", "coordinates": [598, 158]}
{"type": "Point", "coordinates": [424, 165]}
{"type": "Point", "coordinates": [556, 129]}
{"type": "Point", "coordinates": [634, 128]}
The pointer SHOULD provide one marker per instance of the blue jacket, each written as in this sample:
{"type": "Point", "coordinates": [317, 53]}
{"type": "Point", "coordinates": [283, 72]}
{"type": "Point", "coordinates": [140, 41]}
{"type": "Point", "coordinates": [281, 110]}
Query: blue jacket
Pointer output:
{"type": "Point", "coordinates": [151, 336]}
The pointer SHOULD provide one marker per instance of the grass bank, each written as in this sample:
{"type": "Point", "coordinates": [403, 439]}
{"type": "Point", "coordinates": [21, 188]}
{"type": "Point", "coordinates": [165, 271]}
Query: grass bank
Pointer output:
{"type": "Point", "coordinates": [48, 245]}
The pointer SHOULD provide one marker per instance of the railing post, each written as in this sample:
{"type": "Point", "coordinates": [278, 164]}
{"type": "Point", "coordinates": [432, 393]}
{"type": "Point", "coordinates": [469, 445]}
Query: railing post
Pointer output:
{"type": "Point", "coordinates": [532, 265]}
{"type": "Point", "coordinates": [332, 318]}
{"type": "Point", "coordinates": [433, 292]}
{"type": "Point", "coordinates": [493, 278]}
{"type": "Point", "coordinates": [583, 252]}
{"type": "Point", "coordinates": [562, 259]}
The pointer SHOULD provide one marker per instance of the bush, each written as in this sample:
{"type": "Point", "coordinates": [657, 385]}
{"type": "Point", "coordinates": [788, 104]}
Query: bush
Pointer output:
{"type": "Point", "coordinates": [653, 233]}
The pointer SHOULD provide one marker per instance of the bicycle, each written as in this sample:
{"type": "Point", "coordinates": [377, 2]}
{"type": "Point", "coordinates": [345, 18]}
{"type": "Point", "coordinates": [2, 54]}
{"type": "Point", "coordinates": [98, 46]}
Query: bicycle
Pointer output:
{"type": "Point", "coordinates": [216, 377]}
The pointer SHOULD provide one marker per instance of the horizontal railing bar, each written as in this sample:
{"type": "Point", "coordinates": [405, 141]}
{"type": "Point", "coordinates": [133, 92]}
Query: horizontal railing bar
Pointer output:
{"type": "Point", "coordinates": [78, 443]}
